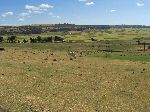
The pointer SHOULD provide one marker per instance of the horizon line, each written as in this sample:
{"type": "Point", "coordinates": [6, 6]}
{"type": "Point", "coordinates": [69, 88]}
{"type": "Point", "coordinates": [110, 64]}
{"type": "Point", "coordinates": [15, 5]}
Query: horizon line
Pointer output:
{"type": "Point", "coordinates": [79, 24]}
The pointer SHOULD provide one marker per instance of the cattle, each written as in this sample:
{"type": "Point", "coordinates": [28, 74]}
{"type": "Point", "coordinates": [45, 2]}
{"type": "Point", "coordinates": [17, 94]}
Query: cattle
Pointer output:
{"type": "Point", "coordinates": [54, 59]}
{"type": "Point", "coordinates": [2, 49]}
{"type": "Point", "coordinates": [72, 55]}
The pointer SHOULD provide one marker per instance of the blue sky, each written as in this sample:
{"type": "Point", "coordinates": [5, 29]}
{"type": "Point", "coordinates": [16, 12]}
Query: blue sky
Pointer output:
{"type": "Point", "coordinates": [20, 12]}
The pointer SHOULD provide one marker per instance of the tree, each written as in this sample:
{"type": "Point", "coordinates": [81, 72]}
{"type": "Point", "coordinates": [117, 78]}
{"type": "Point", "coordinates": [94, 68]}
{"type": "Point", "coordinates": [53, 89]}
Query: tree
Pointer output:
{"type": "Point", "coordinates": [58, 39]}
{"type": "Point", "coordinates": [25, 41]}
{"type": "Point", "coordinates": [11, 39]}
{"type": "Point", "coordinates": [1, 39]}
{"type": "Point", "coordinates": [18, 41]}
{"type": "Point", "coordinates": [92, 39]}
{"type": "Point", "coordinates": [32, 40]}
{"type": "Point", "coordinates": [48, 39]}
{"type": "Point", "coordinates": [39, 39]}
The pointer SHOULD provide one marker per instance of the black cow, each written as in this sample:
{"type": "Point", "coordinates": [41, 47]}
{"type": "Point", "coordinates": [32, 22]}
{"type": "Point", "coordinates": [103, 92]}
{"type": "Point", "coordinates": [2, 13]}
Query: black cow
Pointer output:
{"type": "Point", "coordinates": [2, 49]}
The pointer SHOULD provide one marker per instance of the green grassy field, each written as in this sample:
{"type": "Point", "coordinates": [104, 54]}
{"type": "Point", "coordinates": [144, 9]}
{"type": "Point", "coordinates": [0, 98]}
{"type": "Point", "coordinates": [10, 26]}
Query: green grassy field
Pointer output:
{"type": "Point", "coordinates": [109, 34]}
{"type": "Point", "coordinates": [42, 77]}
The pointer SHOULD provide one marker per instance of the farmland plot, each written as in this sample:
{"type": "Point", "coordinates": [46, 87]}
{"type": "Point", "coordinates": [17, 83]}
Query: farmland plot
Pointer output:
{"type": "Point", "coordinates": [43, 79]}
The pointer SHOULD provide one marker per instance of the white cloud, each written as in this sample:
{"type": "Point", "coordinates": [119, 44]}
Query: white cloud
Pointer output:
{"type": "Point", "coordinates": [45, 6]}
{"type": "Point", "coordinates": [7, 14]}
{"type": "Point", "coordinates": [24, 14]}
{"type": "Point", "coordinates": [31, 8]}
{"type": "Point", "coordinates": [35, 12]}
{"type": "Point", "coordinates": [38, 9]}
{"type": "Point", "coordinates": [113, 10]}
{"type": "Point", "coordinates": [89, 3]}
{"type": "Point", "coordinates": [54, 16]}
{"type": "Point", "coordinates": [140, 4]}
{"type": "Point", "coordinates": [21, 19]}
{"type": "Point", "coordinates": [58, 17]}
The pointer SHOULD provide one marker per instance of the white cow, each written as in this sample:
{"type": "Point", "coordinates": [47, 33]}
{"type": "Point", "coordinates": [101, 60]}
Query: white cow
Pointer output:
{"type": "Point", "coordinates": [72, 54]}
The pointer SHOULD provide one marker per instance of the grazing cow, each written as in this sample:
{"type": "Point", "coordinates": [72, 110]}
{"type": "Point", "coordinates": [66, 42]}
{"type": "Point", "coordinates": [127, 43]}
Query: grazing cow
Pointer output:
{"type": "Point", "coordinates": [2, 49]}
{"type": "Point", "coordinates": [72, 54]}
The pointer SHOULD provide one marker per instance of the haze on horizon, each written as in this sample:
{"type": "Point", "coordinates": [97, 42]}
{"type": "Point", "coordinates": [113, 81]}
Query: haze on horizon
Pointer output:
{"type": "Point", "coordinates": [96, 12]}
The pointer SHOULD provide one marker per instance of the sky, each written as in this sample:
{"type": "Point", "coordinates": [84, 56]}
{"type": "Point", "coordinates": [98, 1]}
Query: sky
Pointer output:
{"type": "Point", "coordinates": [95, 12]}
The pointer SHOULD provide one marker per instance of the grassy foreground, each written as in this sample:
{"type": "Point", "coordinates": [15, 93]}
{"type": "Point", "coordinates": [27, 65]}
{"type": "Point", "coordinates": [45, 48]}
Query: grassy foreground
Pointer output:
{"type": "Point", "coordinates": [42, 78]}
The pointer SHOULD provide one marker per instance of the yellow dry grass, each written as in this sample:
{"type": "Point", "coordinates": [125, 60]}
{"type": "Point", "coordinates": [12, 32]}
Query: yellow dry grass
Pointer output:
{"type": "Point", "coordinates": [30, 80]}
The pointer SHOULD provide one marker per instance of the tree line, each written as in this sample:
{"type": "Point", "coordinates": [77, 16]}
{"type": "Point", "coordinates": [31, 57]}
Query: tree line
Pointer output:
{"type": "Point", "coordinates": [38, 39]}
